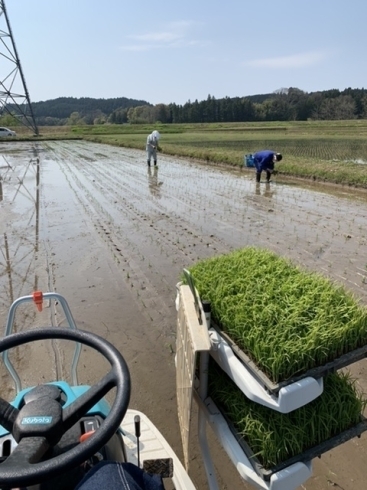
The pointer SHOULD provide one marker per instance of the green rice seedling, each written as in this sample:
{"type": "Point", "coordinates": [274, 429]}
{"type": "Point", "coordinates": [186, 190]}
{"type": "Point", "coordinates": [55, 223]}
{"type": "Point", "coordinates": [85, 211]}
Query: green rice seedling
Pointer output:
{"type": "Point", "coordinates": [275, 437]}
{"type": "Point", "coordinates": [287, 320]}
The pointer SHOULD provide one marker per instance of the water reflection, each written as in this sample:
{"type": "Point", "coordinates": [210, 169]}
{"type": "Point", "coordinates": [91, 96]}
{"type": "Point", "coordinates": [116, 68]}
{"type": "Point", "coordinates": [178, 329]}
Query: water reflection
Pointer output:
{"type": "Point", "coordinates": [26, 264]}
{"type": "Point", "coordinates": [266, 190]}
{"type": "Point", "coordinates": [20, 192]}
{"type": "Point", "coordinates": [4, 170]}
{"type": "Point", "coordinates": [154, 184]}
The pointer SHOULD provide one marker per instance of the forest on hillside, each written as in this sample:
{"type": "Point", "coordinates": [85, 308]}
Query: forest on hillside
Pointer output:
{"type": "Point", "coordinates": [291, 104]}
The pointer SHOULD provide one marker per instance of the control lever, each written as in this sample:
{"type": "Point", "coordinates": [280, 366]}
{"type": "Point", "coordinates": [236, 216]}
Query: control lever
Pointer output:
{"type": "Point", "coordinates": [137, 434]}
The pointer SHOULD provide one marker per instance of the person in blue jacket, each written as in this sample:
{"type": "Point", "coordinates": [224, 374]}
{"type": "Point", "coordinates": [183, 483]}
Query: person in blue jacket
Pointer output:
{"type": "Point", "coordinates": [264, 161]}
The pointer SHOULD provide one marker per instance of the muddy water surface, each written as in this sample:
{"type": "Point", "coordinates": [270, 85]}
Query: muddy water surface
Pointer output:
{"type": "Point", "coordinates": [94, 224]}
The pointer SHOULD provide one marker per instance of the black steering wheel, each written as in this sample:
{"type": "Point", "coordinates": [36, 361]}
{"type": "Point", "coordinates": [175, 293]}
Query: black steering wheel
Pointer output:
{"type": "Point", "coordinates": [41, 422]}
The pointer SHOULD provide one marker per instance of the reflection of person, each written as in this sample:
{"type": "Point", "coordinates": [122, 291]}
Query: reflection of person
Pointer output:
{"type": "Point", "coordinates": [264, 161]}
{"type": "Point", "coordinates": [154, 185]}
{"type": "Point", "coordinates": [152, 146]}
{"type": "Point", "coordinates": [267, 192]}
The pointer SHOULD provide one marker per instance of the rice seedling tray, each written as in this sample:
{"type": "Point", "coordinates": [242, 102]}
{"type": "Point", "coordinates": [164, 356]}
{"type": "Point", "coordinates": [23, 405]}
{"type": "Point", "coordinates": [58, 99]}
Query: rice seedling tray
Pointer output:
{"type": "Point", "coordinates": [304, 457]}
{"type": "Point", "coordinates": [316, 372]}
{"type": "Point", "coordinates": [291, 322]}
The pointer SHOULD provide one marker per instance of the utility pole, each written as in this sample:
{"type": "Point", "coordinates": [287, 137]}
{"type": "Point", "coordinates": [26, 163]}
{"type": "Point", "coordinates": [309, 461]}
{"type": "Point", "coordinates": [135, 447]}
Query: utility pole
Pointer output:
{"type": "Point", "coordinates": [14, 96]}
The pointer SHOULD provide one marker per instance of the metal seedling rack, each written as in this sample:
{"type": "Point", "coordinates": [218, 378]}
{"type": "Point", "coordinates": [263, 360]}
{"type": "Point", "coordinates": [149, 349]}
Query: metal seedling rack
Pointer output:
{"type": "Point", "coordinates": [283, 397]}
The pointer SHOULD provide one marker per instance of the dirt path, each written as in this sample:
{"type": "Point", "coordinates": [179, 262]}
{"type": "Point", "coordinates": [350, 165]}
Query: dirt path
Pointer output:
{"type": "Point", "coordinates": [91, 222]}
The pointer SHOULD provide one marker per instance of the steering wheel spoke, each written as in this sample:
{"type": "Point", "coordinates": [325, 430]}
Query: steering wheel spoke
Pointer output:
{"type": "Point", "coordinates": [76, 410]}
{"type": "Point", "coordinates": [29, 451]}
{"type": "Point", "coordinates": [8, 414]}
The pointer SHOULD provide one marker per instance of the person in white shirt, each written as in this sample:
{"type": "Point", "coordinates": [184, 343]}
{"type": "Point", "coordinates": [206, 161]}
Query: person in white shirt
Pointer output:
{"type": "Point", "coordinates": [152, 145]}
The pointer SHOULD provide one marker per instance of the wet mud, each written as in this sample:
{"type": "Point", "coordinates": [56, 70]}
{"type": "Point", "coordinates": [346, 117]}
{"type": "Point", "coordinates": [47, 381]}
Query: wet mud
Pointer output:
{"type": "Point", "coordinates": [93, 223]}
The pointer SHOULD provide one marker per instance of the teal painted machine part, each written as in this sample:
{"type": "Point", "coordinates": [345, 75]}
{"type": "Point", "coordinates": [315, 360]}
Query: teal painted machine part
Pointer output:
{"type": "Point", "coordinates": [101, 408]}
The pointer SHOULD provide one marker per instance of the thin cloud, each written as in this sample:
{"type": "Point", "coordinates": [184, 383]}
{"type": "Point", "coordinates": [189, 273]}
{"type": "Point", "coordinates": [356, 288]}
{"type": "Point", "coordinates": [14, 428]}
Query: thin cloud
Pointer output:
{"type": "Point", "coordinates": [294, 61]}
{"type": "Point", "coordinates": [175, 35]}
{"type": "Point", "coordinates": [159, 37]}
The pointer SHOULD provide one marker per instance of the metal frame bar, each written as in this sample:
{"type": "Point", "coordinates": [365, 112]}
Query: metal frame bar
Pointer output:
{"type": "Point", "coordinates": [9, 331]}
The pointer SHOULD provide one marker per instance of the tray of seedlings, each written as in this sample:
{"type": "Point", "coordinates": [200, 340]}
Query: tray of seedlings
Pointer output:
{"type": "Point", "coordinates": [282, 322]}
{"type": "Point", "coordinates": [273, 441]}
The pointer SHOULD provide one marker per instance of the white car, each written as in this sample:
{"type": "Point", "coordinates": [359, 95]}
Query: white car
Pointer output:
{"type": "Point", "coordinates": [7, 132]}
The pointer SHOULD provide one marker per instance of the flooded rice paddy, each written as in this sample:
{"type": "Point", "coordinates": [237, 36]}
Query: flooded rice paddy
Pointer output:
{"type": "Point", "coordinates": [93, 223]}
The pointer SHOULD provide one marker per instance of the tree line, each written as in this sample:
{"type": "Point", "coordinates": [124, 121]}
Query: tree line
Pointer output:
{"type": "Point", "coordinates": [290, 104]}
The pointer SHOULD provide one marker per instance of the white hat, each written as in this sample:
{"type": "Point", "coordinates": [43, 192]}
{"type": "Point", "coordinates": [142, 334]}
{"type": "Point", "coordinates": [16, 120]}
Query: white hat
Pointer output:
{"type": "Point", "coordinates": [156, 134]}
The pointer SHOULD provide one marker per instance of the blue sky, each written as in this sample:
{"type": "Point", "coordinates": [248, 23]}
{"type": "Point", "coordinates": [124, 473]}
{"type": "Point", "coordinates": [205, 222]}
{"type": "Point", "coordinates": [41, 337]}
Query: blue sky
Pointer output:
{"type": "Point", "coordinates": [168, 51]}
